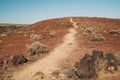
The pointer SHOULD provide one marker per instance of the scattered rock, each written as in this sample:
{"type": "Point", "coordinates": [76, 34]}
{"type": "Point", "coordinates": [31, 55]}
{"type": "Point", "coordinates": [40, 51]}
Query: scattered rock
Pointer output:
{"type": "Point", "coordinates": [112, 63]}
{"type": "Point", "coordinates": [18, 59]}
{"type": "Point", "coordinates": [90, 66]}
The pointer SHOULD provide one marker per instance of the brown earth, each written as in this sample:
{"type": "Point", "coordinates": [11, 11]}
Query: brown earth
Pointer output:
{"type": "Point", "coordinates": [15, 43]}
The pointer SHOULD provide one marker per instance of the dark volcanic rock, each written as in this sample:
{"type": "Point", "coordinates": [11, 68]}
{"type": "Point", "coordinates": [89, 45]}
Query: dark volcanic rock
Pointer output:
{"type": "Point", "coordinates": [86, 67]}
{"type": "Point", "coordinates": [89, 66]}
{"type": "Point", "coordinates": [111, 62]}
{"type": "Point", "coordinates": [98, 58]}
{"type": "Point", "coordinates": [18, 59]}
{"type": "Point", "coordinates": [96, 54]}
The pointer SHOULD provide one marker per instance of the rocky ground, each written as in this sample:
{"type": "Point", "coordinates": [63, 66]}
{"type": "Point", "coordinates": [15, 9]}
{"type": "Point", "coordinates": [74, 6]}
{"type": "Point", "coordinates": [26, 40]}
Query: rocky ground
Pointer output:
{"type": "Point", "coordinates": [67, 40]}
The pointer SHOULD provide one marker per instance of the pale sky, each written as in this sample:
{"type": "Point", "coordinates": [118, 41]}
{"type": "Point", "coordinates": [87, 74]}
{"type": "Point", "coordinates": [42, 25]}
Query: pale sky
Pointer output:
{"type": "Point", "coordinates": [31, 11]}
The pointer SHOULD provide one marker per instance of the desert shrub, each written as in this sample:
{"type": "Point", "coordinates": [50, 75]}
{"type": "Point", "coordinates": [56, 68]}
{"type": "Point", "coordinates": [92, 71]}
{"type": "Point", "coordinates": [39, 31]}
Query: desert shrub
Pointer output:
{"type": "Point", "coordinates": [34, 37]}
{"type": "Point", "coordinates": [52, 34]}
{"type": "Point", "coordinates": [87, 32]}
{"type": "Point", "coordinates": [113, 32]}
{"type": "Point", "coordinates": [97, 37]}
{"type": "Point", "coordinates": [21, 32]}
{"type": "Point", "coordinates": [94, 28]}
{"type": "Point", "coordinates": [83, 26]}
{"type": "Point", "coordinates": [46, 29]}
{"type": "Point", "coordinates": [3, 35]}
{"type": "Point", "coordinates": [36, 48]}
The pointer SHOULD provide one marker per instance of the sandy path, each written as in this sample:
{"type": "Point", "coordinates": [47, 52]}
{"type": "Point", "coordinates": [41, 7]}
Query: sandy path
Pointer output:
{"type": "Point", "coordinates": [50, 63]}
{"type": "Point", "coordinates": [74, 23]}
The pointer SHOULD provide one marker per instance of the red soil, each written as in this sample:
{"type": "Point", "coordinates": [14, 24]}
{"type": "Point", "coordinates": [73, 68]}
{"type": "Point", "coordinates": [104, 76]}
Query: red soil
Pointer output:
{"type": "Point", "coordinates": [111, 42]}
{"type": "Point", "coordinates": [15, 43]}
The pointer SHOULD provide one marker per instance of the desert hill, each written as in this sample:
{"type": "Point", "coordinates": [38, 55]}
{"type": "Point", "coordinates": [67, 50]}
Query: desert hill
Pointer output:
{"type": "Point", "coordinates": [74, 36]}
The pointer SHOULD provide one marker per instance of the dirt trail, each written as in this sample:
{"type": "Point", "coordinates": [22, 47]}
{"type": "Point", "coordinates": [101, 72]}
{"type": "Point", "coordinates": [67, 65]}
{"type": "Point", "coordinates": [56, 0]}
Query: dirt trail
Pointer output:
{"type": "Point", "coordinates": [74, 23]}
{"type": "Point", "coordinates": [50, 63]}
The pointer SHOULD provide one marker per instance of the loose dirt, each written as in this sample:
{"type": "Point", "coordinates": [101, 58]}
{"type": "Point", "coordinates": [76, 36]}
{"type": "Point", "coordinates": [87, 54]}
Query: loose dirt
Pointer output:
{"type": "Point", "coordinates": [52, 62]}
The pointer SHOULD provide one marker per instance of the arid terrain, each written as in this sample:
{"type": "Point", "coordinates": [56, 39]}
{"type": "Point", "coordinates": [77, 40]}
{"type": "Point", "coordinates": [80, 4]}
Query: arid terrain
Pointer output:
{"type": "Point", "coordinates": [67, 41]}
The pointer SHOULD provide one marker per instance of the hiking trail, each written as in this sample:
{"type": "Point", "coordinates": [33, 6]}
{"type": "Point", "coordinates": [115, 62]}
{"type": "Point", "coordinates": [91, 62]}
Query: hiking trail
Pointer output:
{"type": "Point", "coordinates": [50, 63]}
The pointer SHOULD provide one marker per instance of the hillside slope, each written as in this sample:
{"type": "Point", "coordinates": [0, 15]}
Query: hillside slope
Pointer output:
{"type": "Point", "coordinates": [75, 36]}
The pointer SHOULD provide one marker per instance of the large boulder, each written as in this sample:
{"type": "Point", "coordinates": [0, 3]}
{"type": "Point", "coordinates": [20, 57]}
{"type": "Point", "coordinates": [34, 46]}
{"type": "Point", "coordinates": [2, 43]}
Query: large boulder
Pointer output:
{"type": "Point", "coordinates": [18, 59]}
{"type": "Point", "coordinates": [86, 67]}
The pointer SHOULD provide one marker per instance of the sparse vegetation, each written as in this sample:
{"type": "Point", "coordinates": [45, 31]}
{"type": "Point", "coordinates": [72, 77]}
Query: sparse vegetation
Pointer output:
{"type": "Point", "coordinates": [87, 32]}
{"type": "Point", "coordinates": [21, 32]}
{"type": "Point", "coordinates": [94, 28]}
{"type": "Point", "coordinates": [36, 48]}
{"type": "Point", "coordinates": [95, 32]}
{"type": "Point", "coordinates": [3, 35]}
{"type": "Point", "coordinates": [46, 29]}
{"type": "Point", "coordinates": [113, 31]}
{"type": "Point", "coordinates": [35, 37]}
{"type": "Point", "coordinates": [52, 34]}
{"type": "Point", "coordinates": [97, 37]}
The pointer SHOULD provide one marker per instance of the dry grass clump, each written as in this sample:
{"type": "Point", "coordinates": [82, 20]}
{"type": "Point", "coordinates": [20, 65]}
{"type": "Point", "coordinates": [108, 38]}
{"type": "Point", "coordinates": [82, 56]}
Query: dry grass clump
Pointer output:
{"type": "Point", "coordinates": [113, 31]}
{"type": "Point", "coordinates": [46, 29]}
{"type": "Point", "coordinates": [36, 48]}
{"type": "Point", "coordinates": [87, 32]}
{"type": "Point", "coordinates": [21, 32]}
{"type": "Point", "coordinates": [3, 35]}
{"type": "Point", "coordinates": [35, 37]}
{"type": "Point", "coordinates": [52, 34]}
{"type": "Point", "coordinates": [97, 37]}
{"type": "Point", "coordinates": [94, 28]}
